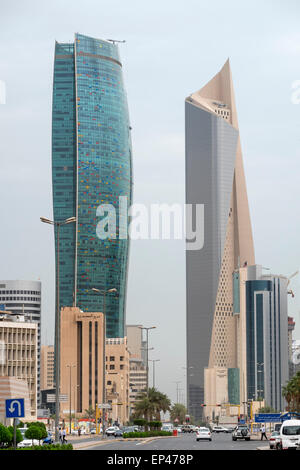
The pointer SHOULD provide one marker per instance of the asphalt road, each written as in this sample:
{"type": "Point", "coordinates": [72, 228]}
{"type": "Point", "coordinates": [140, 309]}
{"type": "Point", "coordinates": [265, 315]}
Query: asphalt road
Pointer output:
{"type": "Point", "coordinates": [183, 442]}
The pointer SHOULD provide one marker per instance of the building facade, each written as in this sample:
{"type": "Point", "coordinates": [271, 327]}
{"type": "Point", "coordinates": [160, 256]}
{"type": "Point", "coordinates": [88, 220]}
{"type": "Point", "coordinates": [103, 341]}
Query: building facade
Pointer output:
{"type": "Point", "coordinates": [18, 340]}
{"type": "Point", "coordinates": [117, 379]}
{"type": "Point", "coordinates": [81, 360]}
{"type": "Point", "coordinates": [214, 178]}
{"type": "Point", "coordinates": [47, 367]}
{"type": "Point", "coordinates": [24, 297]}
{"type": "Point", "coordinates": [11, 387]}
{"type": "Point", "coordinates": [137, 363]}
{"type": "Point", "coordinates": [267, 338]}
{"type": "Point", "coordinates": [91, 167]}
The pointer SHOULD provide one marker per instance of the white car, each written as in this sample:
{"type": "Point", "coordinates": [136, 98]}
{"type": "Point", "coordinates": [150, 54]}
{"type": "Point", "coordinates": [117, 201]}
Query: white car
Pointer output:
{"type": "Point", "coordinates": [218, 429]}
{"type": "Point", "coordinates": [289, 435]}
{"type": "Point", "coordinates": [167, 427]}
{"type": "Point", "coordinates": [274, 439]}
{"type": "Point", "coordinates": [203, 434]}
{"type": "Point", "coordinates": [28, 443]}
{"type": "Point", "coordinates": [111, 431]}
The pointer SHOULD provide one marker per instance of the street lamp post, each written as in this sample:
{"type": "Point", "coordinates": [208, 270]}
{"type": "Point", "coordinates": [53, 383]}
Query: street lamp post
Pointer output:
{"type": "Point", "coordinates": [104, 292]}
{"type": "Point", "coordinates": [153, 362]}
{"type": "Point", "coordinates": [147, 329]}
{"type": "Point", "coordinates": [70, 401]}
{"type": "Point", "coordinates": [57, 224]}
{"type": "Point", "coordinates": [177, 390]}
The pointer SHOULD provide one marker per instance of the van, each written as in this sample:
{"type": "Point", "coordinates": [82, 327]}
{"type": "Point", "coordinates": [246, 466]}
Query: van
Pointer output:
{"type": "Point", "coordinates": [289, 435]}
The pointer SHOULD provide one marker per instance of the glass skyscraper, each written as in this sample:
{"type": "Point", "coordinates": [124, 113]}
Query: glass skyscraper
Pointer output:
{"type": "Point", "coordinates": [214, 178]}
{"type": "Point", "coordinates": [91, 166]}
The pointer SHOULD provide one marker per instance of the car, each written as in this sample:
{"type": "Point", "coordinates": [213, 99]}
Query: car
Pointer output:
{"type": "Point", "coordinates": [203, 434]}
{"type": "Point", "coordinates": [289, 436]}
{"type": "Point", "coordinates": [111, 430]}
{"type": "Point", "coordinates": [241, 431]}
{"type": "Point", "coordinates": [187, 428]}
{"type": "Point", "coordinates": [167, 427]}
{"type": "Point", "coordinates": [28, 443]}
{"type": "Point", "coordinates": [119, 433]}
{"type": "Point", "coordinates": [218, 429]}
{"type": "Point", "coordinates": [48, 439]}
{"type": "Point", "coordinates": [274, 439]}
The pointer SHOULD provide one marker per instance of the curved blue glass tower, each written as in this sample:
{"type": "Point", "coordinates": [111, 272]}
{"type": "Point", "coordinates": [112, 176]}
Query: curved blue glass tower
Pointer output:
{"type": "Point", "coordinates": [91, 165]}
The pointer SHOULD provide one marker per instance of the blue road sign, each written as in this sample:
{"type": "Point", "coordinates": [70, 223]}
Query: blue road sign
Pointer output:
{"type": "Point", "coordinates": [2, 307]}
{"type": "Point", "coordinates": [15, 408]}
{"type": "Point", "coordinates": [268, 418]}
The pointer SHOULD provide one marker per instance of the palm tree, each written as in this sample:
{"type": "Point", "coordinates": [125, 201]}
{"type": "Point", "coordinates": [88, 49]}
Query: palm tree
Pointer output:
{"type": "Point", "coordinates": [149, 405]}
{"type": "Point", "coordinates": [178, 411]}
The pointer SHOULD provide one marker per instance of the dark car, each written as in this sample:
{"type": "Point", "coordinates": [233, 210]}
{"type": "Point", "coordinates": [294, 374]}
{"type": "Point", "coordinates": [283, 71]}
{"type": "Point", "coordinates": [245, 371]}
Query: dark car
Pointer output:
{"type": "Point", "coordinates": [48, 439]}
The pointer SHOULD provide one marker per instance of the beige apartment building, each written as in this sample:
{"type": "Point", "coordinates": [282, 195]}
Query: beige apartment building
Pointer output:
{"type": "Point", "coordinates": [47, 367]}
{"type": "Point", "coordinates": [137, 365]}
{"type": "Point", "coordinates": [117, 379]}
{"type": "Point", "coordinates": [81, 361]}
{"type": "Point", "coordinates": [18, 355]}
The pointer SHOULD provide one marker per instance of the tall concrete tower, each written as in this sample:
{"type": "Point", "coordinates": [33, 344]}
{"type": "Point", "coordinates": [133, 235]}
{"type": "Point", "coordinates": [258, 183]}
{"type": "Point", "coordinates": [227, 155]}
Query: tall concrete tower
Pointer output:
{"type": "Point", "coordinates": [214, 178]}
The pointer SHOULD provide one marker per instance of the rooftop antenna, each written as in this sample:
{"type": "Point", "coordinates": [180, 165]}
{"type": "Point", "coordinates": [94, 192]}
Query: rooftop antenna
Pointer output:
{"type": "Point", "coordinates": [115, 40]}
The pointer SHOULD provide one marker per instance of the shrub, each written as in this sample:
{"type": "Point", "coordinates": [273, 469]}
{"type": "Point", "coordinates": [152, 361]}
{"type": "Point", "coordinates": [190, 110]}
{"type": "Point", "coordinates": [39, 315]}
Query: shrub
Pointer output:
{"type": "Point", "coordinates": [46, 447]}
{"type": "Point", "coordinates": [146, 434]}
{"type": "Point", "coordinates": [140, 422]}
{"type": "Point", "coordinates": [19, 436]}
{"type": "Point", "coordinates": [5, 436]}
{"type": "Point", "coordinates": [155, 424]}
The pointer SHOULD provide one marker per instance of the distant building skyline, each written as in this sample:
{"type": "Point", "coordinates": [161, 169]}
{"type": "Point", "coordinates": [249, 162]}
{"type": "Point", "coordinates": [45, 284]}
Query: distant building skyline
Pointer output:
{"type": "Point", "coordinates": [91, 166]}
{"type": "Point", "coordinates": [24, 298]}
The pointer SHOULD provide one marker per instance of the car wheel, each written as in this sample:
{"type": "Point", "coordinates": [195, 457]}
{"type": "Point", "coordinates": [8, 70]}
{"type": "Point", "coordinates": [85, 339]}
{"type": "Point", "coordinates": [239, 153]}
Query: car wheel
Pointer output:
{"type": "Point", "coordinates": [271, 447]}
{"type": "Point", "coordinates": [197, 440]}
{"type": "Point", "coordinates": [247, 438]}
{"type": "Point", "coordinates": [234, 439]}
{"type": "Point", "coordinates": [210, 440]}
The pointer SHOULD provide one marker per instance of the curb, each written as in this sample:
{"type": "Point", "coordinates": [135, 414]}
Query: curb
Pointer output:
{"type": "Point", "coordinates": [143, 440]}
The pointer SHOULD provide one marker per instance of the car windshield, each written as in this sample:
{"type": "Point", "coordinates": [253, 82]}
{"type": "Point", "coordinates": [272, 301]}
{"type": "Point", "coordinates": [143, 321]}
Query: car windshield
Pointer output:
{"type": "Point", "coordinates": [291, 431]}
{"type": "Point", "coordinates": [203, 430]}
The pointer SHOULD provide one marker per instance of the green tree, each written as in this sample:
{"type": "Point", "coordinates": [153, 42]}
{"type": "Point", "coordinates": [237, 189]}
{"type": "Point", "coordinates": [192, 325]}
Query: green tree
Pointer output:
{"type": "Point", "coordinates": [150, 405]}
{"type": "Point", "coordinates": [178, 412]}
{"type": "Point", "coordinates": [19, 436]}
{"type": "Point", "coordinates": [34, 432]}
{"type": "Point", "coordinates": [291, 392]}
{"type": "Point", "coordinates": [90, 413]}
{"type": "Point", "coordinates": [5, 435]}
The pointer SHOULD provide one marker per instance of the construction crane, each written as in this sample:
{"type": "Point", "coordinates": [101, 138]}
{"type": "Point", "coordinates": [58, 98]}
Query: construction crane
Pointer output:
{"type": "Point", "coordinates": [115, 40]}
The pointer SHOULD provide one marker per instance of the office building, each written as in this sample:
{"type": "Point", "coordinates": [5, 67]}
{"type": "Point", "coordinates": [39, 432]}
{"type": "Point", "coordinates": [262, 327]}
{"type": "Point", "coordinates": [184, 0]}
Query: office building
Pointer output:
{"type": "Point", "coordinates": [10, 388]}
{"type": "Point", "coordinates": [137, 381]}
{"type": "Point", "coordinates": [24, 297]}
{"type": "Point", "coordinates": [291, 327]}
{"type": "Point", "coordinates": [214, 178]}
{"type": "Point", "coordinates": [91, 167]}
{"type": "Point", "coordinates": [117, 379]}
{"type": "Point", "coordinates": [18, 340]}
{"type": "Point", "coordinates": [267, 337]}
{"type": "Point", "coordinates": [47, 367]}
{"type": "Point", "coordinates": [81, 359]}
{"type": "Point", "coordinates": [137, 363]}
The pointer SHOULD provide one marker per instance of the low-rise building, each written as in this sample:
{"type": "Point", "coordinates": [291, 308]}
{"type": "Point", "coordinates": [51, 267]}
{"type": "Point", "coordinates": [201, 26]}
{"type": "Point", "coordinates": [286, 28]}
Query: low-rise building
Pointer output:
{"type": "Point", "coordinates": [117, 379]}
{"type": "Point", "coordinates": [18, 340]}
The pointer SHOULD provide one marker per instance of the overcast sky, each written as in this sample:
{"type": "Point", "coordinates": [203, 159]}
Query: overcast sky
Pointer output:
{"type": "Point", "coordinates": [172, 49]}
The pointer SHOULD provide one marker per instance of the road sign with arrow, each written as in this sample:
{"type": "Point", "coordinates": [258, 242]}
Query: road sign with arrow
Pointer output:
{"type": "Point", "coordinates": [15, 408]}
